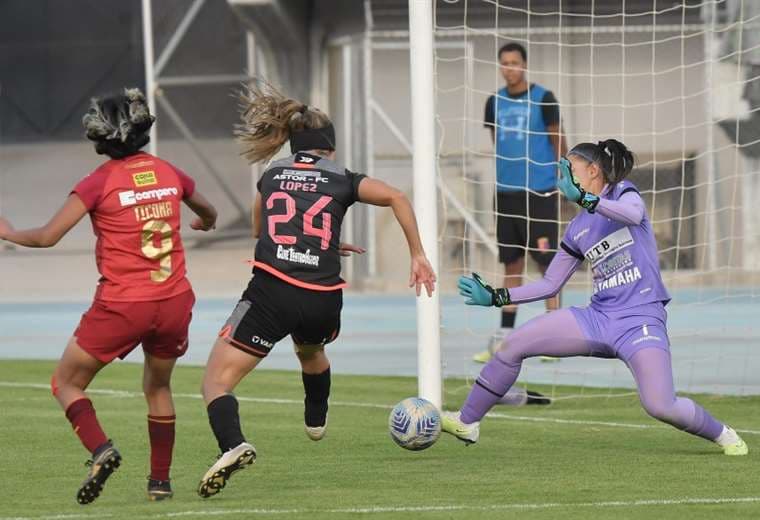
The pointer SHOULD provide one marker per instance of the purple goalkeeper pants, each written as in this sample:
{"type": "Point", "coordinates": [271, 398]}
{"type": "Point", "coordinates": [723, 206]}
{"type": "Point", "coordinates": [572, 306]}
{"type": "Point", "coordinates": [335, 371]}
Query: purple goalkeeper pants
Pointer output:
{"type": "Point", "coordinates": [637, 336]}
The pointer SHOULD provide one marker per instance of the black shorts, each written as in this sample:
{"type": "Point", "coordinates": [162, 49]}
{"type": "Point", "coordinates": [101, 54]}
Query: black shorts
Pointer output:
{"type": "Point", "coordinates": [271, 309]}
{"type": "Point", "coordinates": [534, 227]}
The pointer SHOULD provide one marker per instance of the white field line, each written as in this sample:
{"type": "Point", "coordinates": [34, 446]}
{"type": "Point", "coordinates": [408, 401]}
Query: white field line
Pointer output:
{"type": "Point", "coordinates": [416, 509]}
{"type": "Point", "coordinates": [268, 400]}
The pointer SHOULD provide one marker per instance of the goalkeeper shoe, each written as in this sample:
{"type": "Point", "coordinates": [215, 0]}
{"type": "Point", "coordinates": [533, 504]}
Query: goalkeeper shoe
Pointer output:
{"type": "Point", "coordinates": [101, 467]}
{"type": "Point", "coordinates": [226, 465]}
{"type": "Point", "coordinates": [731, 443]}
{"type": "Point", "coordinates": [452, 423]}
{"type": "Point", "coordinates": [159, 489]}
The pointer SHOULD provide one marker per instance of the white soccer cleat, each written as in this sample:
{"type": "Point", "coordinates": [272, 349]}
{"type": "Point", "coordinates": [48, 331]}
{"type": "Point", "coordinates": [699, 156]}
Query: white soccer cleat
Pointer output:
{"type": "Point", "coordinates": [316, 433]}
{"type": "Point", "coordinates": [228, 463]}
{"type": "Point", "coordinates": [467, 433]}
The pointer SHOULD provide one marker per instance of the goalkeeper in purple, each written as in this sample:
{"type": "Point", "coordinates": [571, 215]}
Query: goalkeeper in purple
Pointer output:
{"type": "Point", "coordinates": [626, 318]}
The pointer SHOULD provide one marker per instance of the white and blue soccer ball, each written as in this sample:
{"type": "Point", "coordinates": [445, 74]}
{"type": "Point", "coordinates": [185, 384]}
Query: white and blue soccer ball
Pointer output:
{"type": "Point", "coordinates": [415, 424]}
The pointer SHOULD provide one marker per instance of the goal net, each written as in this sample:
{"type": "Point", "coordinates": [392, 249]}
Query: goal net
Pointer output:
{"type": "Point", "coordinates": [678, 83]}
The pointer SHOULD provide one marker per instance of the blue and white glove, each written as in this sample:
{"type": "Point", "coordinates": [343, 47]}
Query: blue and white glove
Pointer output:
{"type": "Point", "coordinates": [478, 292]}
{"type": "Point", "coordinates": [572, 190]}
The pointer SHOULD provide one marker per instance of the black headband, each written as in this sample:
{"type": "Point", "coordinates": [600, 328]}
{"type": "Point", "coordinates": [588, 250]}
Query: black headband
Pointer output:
{"type": "Point", "coordinates": [313, 139]}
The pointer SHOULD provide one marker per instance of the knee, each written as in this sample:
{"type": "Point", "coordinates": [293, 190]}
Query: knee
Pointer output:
{"type": "Point", "coordinates": [511, 354]}
{"type": "Point", "coordinates": [156, 388]}
{"type": "Point", "coordinates": [307, 353]}
{"type": "Point", "coordinates": [212, 387]}
{"type": "Point", "coordinates": [662, 410]}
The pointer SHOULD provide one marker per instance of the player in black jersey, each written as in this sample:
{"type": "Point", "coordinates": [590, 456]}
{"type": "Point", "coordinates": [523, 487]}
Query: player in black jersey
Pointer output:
{"type": "Point", "coordinates": [296, 287]}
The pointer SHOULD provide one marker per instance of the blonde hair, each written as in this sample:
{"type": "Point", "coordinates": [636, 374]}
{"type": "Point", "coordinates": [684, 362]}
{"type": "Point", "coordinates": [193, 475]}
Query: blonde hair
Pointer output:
{"type": "Point", "coordinates": [269, 118]}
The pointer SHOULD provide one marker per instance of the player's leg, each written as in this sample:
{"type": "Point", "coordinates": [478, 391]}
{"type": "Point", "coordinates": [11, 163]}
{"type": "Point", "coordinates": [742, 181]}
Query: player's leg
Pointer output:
{"type": "Point", "coordinates": [319, 326]}
{"type": "Point", "coordinates": [315, 374]}
{"type": "Point", "coordinates": [543, 239]}
{"type": "Point", "coordinates": [262, 318]}
{"type": "Point", "coordinates": [543, 234]}
{"type": "Point", "coordinates": [511, 233]}
{"type": "Point", "coordinates": [107, 330]}
{"type": "Point", "coordinates": [166, 343]}
{"type": "Point", "coordinates": [71, 377]}
{"type": "Point", "coordinates": [557, 334]}
{"type": "Point", "coordinates": [226, 367]}
{"type": "Point", "coordinates": [651, 368]}
{"type": "Point", "coordinates": [162, 417]}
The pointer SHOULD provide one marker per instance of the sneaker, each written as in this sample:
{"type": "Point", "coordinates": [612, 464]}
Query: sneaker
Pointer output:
{"type": "Point", "coordinates": [226, 465]}
{"type": "Point", "coordinates": [316, 433]}
{"type": "Point", "coordinates": [159, 489]}
{"type": "Point", "coordinates": [736, 448]}
{"type": "Point", "coordinates": [494, 344]}
{"type": "Point", "coordinates": [101, 468]}
{"type": "Point", "coordinates": [467, 433]}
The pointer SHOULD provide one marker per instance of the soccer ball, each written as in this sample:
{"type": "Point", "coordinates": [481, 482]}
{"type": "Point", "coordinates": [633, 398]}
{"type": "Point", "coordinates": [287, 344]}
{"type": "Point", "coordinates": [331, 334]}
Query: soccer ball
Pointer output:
{"type": "Point", "coordinates": [415, 424]}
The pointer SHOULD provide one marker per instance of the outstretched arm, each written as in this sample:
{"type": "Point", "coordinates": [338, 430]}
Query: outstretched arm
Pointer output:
{"type": "Point", "coordinates": [378, 193]}
{"type": "Point", "coordinates": [628, 209]}
{"type": "Point", "coordinates": [48, 235]}
{"type": "Point", "coordinates": [561, 268]}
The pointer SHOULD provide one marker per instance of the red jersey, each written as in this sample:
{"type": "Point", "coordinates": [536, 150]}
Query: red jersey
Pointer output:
{"type": "Point", "coordinates": [134, 204]}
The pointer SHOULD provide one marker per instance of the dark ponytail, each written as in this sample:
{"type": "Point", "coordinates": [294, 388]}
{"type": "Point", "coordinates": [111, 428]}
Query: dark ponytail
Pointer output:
{"type": "Point", "coordinates": [613, 157]}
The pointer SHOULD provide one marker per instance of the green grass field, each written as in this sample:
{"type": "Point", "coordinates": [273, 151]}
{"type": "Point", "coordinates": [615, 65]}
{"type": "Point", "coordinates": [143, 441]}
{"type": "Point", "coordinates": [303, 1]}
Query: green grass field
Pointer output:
{"type": "Point", "coordinates": [577, 459]}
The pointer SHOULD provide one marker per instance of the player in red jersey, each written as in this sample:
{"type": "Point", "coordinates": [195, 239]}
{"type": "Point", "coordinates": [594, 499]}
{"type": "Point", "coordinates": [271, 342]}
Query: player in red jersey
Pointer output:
{"type": "Point", "coordinates": [143, 295]}
{"type": "Point", "coordinates": [296, 288]}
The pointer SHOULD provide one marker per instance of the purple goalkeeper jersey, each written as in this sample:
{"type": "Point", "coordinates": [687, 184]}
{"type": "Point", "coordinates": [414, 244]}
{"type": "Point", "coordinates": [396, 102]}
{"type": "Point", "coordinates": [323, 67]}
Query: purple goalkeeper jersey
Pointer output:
{"type": "Point", "coordinates": [623, 258]}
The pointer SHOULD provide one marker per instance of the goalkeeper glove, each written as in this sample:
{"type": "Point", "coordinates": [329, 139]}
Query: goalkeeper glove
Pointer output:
{"type": "Point", "coordinates": [572, 190]}
{"type": "Point", "coordinates": [478, 292]}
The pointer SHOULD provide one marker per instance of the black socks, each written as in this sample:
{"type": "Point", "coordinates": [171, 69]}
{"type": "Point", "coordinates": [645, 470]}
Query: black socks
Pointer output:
{"type": "Point", "coordinates": [225, 422]}
{"type": "Point", "coordinates": [317, 389]}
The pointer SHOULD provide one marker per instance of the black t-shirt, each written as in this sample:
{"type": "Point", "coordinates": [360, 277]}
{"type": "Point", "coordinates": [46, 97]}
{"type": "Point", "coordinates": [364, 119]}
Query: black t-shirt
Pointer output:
{"type": "Point", "coordinates": [304, 199]}
{"type": "Point", "coordinates": [549, 108]}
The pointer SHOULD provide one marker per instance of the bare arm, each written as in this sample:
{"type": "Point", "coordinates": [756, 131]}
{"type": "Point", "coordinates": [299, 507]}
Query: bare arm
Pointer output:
{"type": "Point", "coordinates": [557, 274]}
{"type": "Point", "coordinates": [256, 216]}
{"type": "Point", "coordinates": [48, 235]}
{"type": "Point", "coordinates": [557, 139]}
{"type": "Point", "coordinates": [378, 193]}
{"type": "Point", "coordinates": [628, 209]}
{"type": "Point", "coordinates": [204, 209]}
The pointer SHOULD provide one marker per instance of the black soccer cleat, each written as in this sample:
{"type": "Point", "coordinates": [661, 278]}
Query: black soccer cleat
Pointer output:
{"type": "Point", "coordinates": [159, 489]}
{"type": "Point", "coordinates": [537, 398]}
{"type": "Point", "coordinates": [228, 463]}
{"type": "Point", "coordinates": [101, 468]}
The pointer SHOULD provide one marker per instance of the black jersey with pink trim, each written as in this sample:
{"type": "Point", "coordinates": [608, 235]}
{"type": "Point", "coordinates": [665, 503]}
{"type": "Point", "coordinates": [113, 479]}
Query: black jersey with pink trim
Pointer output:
{"type": "Point", "coordinates": [304, 200]}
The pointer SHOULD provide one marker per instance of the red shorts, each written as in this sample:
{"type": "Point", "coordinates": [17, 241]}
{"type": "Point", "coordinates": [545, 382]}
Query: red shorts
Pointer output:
{"type": "Point", "coordinates": [113, 329]}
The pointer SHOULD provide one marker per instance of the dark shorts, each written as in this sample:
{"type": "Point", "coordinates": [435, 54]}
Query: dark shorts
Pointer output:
{"type": "Point", "coordinates": [527, 221]}
{"type": "Point", "coordinates": [271, 309]}
{"type": "Point", "coordinates": [113, 329]}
